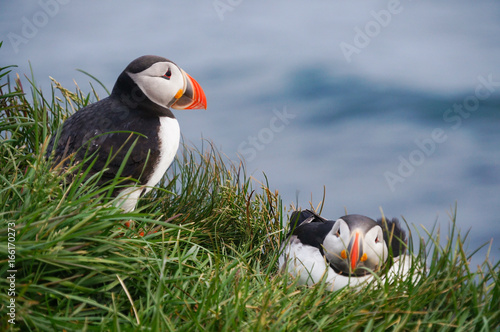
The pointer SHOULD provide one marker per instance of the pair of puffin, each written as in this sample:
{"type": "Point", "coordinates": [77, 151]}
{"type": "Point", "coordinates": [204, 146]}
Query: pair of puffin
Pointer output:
{"type": "Point", "coordinates": [349, 251]}
{"type": "Point", "coordinates": [135, 118]}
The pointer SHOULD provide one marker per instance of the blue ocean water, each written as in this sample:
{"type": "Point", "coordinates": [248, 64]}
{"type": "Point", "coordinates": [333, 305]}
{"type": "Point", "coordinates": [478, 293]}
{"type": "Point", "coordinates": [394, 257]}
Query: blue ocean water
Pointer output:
{"type": "Point", "coordinates": [391, 104]}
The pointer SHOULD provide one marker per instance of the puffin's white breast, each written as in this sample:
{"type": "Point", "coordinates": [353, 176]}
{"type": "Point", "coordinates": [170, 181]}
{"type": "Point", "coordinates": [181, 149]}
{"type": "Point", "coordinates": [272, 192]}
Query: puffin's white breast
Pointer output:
{"type": "Point", "coordinates": [169, 136]}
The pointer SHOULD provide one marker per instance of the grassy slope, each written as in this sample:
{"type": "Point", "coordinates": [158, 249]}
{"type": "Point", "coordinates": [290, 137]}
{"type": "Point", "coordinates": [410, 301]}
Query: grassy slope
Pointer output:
{"type": "Point", "coordinates": [210, 263]}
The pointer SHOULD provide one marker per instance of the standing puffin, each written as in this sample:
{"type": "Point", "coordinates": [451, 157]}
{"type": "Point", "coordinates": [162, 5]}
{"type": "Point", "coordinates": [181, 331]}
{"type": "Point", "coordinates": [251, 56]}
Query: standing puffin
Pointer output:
{"type": "Point", "coordinates": [136, 112]}
{"type": "Point", "coordinates": [350, 250]}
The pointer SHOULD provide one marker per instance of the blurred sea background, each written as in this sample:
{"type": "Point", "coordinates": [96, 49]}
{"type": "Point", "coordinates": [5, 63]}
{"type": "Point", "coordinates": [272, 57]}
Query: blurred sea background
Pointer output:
{"type": "Point", "coordinates": [386, 104]}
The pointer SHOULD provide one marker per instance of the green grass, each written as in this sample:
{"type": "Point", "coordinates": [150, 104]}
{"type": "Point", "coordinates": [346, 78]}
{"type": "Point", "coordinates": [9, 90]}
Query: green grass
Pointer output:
{"type": "Point", "coordinates": [208, 260]}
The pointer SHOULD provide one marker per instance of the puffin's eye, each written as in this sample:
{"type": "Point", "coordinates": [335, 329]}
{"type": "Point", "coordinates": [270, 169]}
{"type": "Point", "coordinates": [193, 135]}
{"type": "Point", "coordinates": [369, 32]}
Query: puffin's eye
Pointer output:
{"type": "Point", "coordinates": [168, 74]}
{"type": "Point", "coordinates": [377, 240]}
{"type": "Point", "coordinates": [338, 233]}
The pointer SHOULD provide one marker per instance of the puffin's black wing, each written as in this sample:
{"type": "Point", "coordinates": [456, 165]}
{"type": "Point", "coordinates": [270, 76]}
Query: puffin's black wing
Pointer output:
{"type": "Point", "coordinates": [309, 227]}
{"type": "Point", "coordinates": [103, 128]}
{"type": "Point", "coordinates": [303, 217]}
{"type": "Point", "coordinates": [394, 235]}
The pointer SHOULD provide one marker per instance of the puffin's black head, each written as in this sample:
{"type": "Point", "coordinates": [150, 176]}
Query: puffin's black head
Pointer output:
{"type": "Point", "coordinates": [355, 244]}
{"type": "Point", "coordinates": [157, 84]}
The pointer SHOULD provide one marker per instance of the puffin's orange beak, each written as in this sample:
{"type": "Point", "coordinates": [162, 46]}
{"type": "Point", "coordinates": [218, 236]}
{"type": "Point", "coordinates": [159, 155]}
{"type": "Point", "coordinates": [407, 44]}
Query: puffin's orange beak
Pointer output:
{"type": "Point", "coordinates": [354, 251]}
{"type": "Point", "coordinates": [192, 97]}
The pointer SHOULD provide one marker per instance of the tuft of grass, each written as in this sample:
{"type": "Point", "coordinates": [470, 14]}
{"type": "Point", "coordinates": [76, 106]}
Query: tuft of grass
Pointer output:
{"type": "Point", "coordinates": [207, 259]}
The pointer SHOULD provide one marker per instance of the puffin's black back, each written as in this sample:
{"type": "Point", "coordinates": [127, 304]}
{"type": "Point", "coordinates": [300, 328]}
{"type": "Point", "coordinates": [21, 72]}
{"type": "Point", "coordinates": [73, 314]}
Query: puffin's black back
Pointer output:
{"type": "Point", "coordinates": [394, 235]}
{"type": "Point", "coordinates": [310, 228]}
{"type": "Point", "coordinates": [94, 129]}
{"type": "Point", "coordinates": [298, 217]}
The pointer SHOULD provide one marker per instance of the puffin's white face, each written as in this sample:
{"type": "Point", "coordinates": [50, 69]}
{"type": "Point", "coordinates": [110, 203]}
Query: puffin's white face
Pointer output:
{"type": "Point", "coordinates": [375, 249]}
{"type": "Point", "coordinates": [352, 250]}
{"type": "Point", "coordinates": [336, 243]}
{"type": "Point", "coordinates": [163, 83]}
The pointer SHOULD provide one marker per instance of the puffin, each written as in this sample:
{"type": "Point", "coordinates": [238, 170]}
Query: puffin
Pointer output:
{"type": "Point", "coordinates": [349, 251]}
{"type": "Point", "coordinates": [133, 132]}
